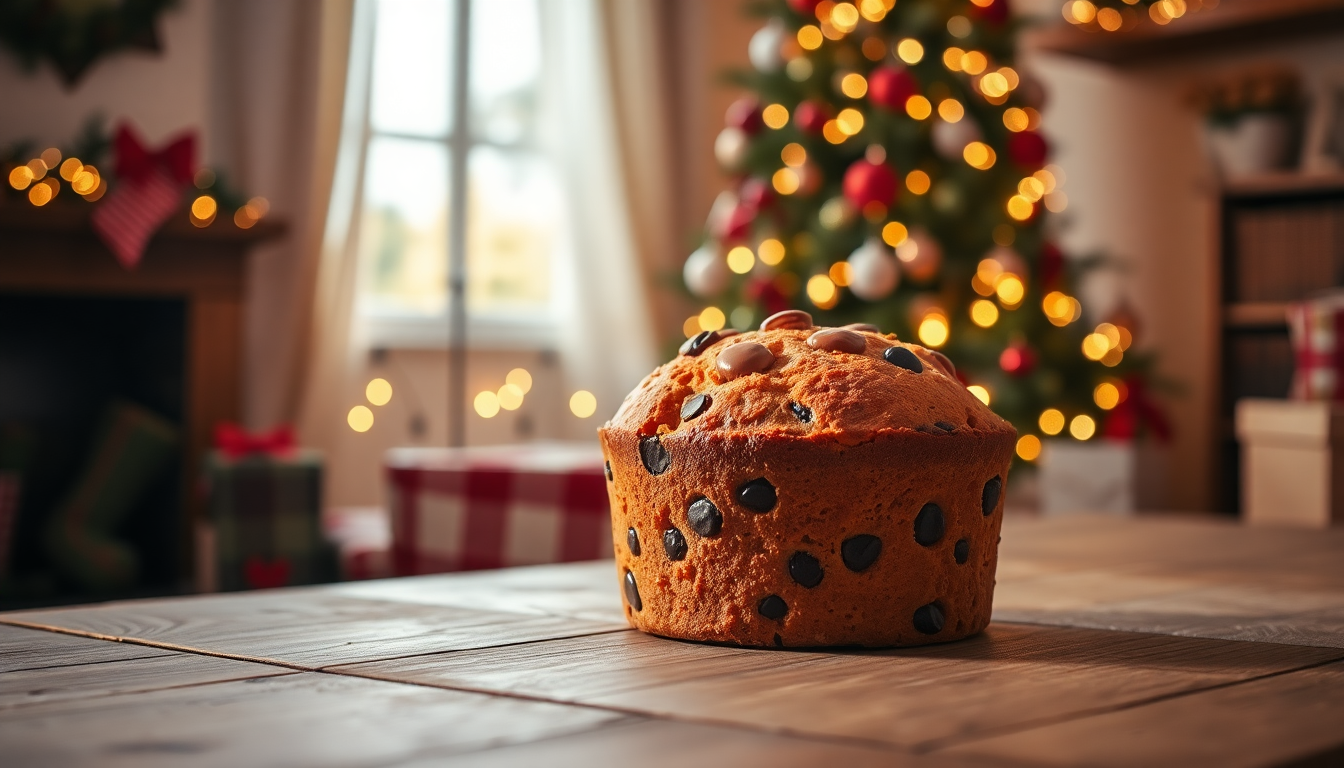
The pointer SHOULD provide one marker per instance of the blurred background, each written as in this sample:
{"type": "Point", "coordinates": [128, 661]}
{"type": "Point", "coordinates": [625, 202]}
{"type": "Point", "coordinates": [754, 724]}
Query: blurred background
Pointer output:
{"type": "Point", "coordinates": [254, 254]}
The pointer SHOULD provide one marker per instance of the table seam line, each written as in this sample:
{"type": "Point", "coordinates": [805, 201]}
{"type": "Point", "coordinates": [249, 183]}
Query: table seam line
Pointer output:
{"type": "Point", "coordinates": [467, 650]}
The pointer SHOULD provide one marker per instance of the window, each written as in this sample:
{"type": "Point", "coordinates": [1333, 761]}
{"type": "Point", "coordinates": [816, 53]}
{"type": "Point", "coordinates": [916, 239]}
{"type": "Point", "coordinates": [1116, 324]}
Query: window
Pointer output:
{"type": "Point", "coordinates": [514, 206]}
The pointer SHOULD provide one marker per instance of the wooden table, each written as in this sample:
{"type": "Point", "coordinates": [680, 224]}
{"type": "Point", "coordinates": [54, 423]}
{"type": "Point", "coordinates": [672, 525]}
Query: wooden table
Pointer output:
{"type": "Point", "coordinates": [1115, 642]}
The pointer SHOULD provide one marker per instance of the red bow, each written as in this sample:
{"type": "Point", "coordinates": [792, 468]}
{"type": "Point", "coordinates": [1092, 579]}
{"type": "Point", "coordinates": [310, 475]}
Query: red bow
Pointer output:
{"type": "Point", "coordinates": [1137, 410]}
{"type": "Point", "coordinates": [135, 163]}
{"type": "Point", "coordinates": [233, 441]}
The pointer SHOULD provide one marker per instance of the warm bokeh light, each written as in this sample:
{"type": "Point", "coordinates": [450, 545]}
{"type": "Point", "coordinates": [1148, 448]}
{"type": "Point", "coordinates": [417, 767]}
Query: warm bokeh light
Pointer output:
{"type": "Point", "coordinates": [785, 181]}
{"type": "Point", "coordinates": [1056, 202]}
{"type": "Point", "coordinates": [1051, 421]}
{"type": "Point", "coordinates": [952, 58]}
{"type": "Point", "coordinates": [821, 290]}
{"type": "Point", "coordinates": [850, 121]}
{"type": "Point", "coordinates": [917, 182]}
{"type": "Point", "coordinates": [1095, 346]}
{"type": "Point", "coordinates": [873, 10]}
{"type": "Point", "coordinates": [691, 326]}
{"type": "Point", "coordinates": [840, 273]}
{"type": "Point", "coordinates": [85, 181]}
{"type": "Point", "coordinates": [1111, 333]}
{"type": "Point", "coordinates": [793, 154]}
{"type": "Point", "coordinates": [520, 378]}
{"type": "Point", "coordinates": [1126, 338]}
{"type": "Point", "coordinates": [809, 37]}
{"type": "Point", "coordinates": [741, 259]}
{"type": "Point", "coordinates": [1047, 180]}
{"type": "Point", "coordinates": [40, 194]}
{"type": "Point", "coordinates": [894, 233]}
{"type": "Point", "coordinates": [1106, 395]}
{"type": "Point", "coordinates": [832, 133]}
{"type": "Point", "coordinates": [770, 251]}
{"type": "Point", "coordinates": [844, 17]}
{"type": "Point", "coordinates": [951, 110]}
{"type": "Point", "coordinates": [933, 330]}
{"type": "Point", "coordinates": [51, 157]}
{"type": "Point", "coordinates": [1015, 119]}
{"type": "Point", "coordinates": [1028, 447]}
{"type": "Point", "coordinates": [910, 51]}
{"type": "Point", "coordinates": [486, 404]}
{"type": "Point", "coordinates": [984, 313]}
{"type": "Point", "coordinates": [582, 404]}
{"type": "Point", "coordinates": [918, 107]}
{"type": "Point", "coordinates": [1010, 290]}
{"type": "Point", "coordinates": [70, 167]}
{"type": "Point", "coordinates": [378, 391]}
{"type": "Point", "coordinates": [97, 193]}
{"type": "Point", "coordinates": [980, 393]}
{"type": "Point", "coordinates": [994, 85]}
{"type": "Point", "coordinates": [360, 418]}
{"type": "Point", "coordinates": [1110, 19]}
{"type": "Point", "coordinates": [979, 155]}
{"type": "Point", "coordinates": [959, 27]}
{"type": "Point", "coordinates": [1082, 427]}
{"type": "Point", "coordinates": [1061, 309]}
{"type": "Point", "coordinates": [775, 116]}
{"type": "Point", "coordinates": [510, 397]}
{"type": "Point", "coordinates": [712, 319]}
{"type": "Point", "coordinates": [1079, 11]}
{"type": "Point", "coordinates": [37, 167]}
{"type": "Point", "coordinates": [874, 49]}
{"type": "Point", "coordinates": [974, 62]}
{"type": "Point", "coordinates": [854, 85]}
{"type": "Point", "coordinates": [1031, 188]}
{"type": "Point", "coordinates": [20, 177]}
{"type": "Point", "coordinates": [1020, 208]}
{"type": "Point", "coordinates": [204, 207]}
{"type": "Point", "coordinates": [1112, 357]}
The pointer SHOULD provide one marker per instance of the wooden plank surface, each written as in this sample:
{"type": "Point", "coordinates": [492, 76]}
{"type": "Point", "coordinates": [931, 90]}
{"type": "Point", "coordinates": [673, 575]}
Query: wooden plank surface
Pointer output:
{"type": "Point", "coordinates": [22, 648]}
{"type": "Point", "coordinates": [305, 628]}
{"type": "Point", "coordinates": [86, 681]}
{"type": "Point", "coordinates": [1011, 677]}
{"type": "Point", "coordinates": [1292, 719]}
{"type": "Point", "coordinates": [295, 719]}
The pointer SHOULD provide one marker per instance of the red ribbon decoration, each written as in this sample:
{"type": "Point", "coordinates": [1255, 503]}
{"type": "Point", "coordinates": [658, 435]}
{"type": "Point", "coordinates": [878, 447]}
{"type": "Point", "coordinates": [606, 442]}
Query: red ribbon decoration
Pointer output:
{"type": "Point", "coordinates": [1137, 410]}
{"type": "Point", "coordinates": [234, 441]}
{"type": "Point", "coordinates": [134, 162]}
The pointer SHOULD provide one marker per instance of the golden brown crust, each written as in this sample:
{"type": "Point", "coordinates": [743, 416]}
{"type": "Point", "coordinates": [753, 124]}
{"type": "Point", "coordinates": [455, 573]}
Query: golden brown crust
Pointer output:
{"type": "Point", "coordinates": [853, 445]}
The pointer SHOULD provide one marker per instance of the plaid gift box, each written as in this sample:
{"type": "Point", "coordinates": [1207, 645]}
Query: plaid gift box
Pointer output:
{"type": "Point", "coordinates": [267, 520]}
{"type": "Point", "coordinates": [471, 508]}
{"type": "Point", "coordinates": [1317, 328]}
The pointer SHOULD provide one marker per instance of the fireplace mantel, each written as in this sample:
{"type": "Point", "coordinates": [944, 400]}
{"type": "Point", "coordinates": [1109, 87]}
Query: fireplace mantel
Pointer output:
{"type": "Point", "coordinates": [52, 250]}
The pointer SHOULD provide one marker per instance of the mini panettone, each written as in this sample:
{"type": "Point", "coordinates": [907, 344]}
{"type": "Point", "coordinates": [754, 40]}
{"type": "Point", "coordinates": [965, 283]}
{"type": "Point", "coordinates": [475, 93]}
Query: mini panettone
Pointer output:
{"type": "Point", "coordinates": [804, 486]}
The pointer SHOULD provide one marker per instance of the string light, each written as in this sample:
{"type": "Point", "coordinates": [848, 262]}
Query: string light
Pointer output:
{"type": "Point", "coordinates": [894, 233]}
{"type": "Point", "coordinates": [933, 330]}
{"type": "Point", "coordinates": [910, 51]}
{"type": "Point", "coordinates": [1060, 309]}
{"type": "Point", "coordinates": [844, 17]}
{"type": "Point", "coordinates": [840, 273]}
{"type": "Point", "coordinates": [70, 167]}
{"type": "Point", "coordinates": [959, 27]}
{"type": "Point", "coordinates": [1082, 427]}
{"type": "Point", "coordinates": [378, 391]}
{"type": "Point", "coordinates": [1010, 290]}
{"type": "Point", "coordinates": [1028, 447]}
{"type": "Point", "coordinates": [1079, 12]}
{"type": "Point", "coordinates": [979, 155]}
{"type": "Point", "coordinates": [770, 251]}
{"type": "Point", "coordinates": [510, 397]}
{"type": "Point", "coordinates": [974, 62]}
{"type": "Point", "coordinates": [37, 168]}
{"type": "Point", "coordinates": [917, 182]}
{"type": "Point", "coordinates": [952, 58]}
{"type": "Point", "coordinates": [785, 181]}
{"type": "Point", "coordinates": [40, 194]}
{"type": "Point", "coordinates": [582, 404]}
{"type": "Point", "coordinates": [741, 259]}
{"type": "Point", "coordinates": [360, 418]}
{"type": "Point", "coordinates": [51, 157]}
{"type": "Point", "coordinates": [86, 180]}
{"type": "Point", "coordinates": [918, 107]}
{"type": "Point", "coordinates": [20, 177]}
{"type": "Point", "coordinates": [873, 10]}
{"type": "Point", "coordinates": [1031, 188]}
{"type": "Point", "coordinates": [775, 116]}
{"type": "Point", "coordinates": [691, 327]}
{"type": "Point", "coordinates": [980, 393]}
{"type": "Point", "coordinates": [1051, 421]}
{"type": "Point", "coordinates": [486, 404]}
{"type": "Point", "coordinates": [1095, 346]}
{"type": "Point", "coordinates": [830, 130]}
{"type": "Point", "coordinates": [822, 291]}
{"type": "Point", "coordinates": [850, 121]}
{"type": "Point", "coordinates": [520, 378]}
{"type": "Point", "coordinates": [950, 110]}
{"type": "Point", "coordinates": [1110, 19]}
{"type": "Point", "coordinates": [809, 37]}
{"type": "Point", "coordinates": [712, 319]}
{"type": "Point", "coordinates": [793, 154]}
{"type": "Point", "coordinates": [853, 85]}
{"type": "Point", "coordinates": [994, 85]}
{"type": "Point", "coordinates": [1020, 208]}
{"type": "Point", "coordinates": [984, 313]}
{"type": "Point", "coordinates": [1015, 119]}
{"type": "Point", "coordinates": [1106, 395]}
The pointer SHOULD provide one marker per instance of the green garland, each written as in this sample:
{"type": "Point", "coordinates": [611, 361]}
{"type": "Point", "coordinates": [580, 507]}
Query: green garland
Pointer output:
{"type": "Point", "coordinates": [73, 34]}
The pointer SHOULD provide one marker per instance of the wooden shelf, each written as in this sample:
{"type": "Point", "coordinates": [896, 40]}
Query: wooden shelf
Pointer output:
{"type": "Point", "coordinates": [66, 216]}
{"type": "Point", "coordinates": [1230, 24]}
{"type": "Point", "coordinates": [1287, 184]}
{"type": "Point", "coordinates": [1262, 315]}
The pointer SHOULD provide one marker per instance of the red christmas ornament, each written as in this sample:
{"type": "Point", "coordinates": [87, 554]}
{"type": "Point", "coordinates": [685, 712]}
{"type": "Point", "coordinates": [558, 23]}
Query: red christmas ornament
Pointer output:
{"type": "Point", "coordinates": [745, 114]}
{"type": "Point", "coordinates": [996, 12]}
{"type": "Point", "coordinates": [1028, 149]}
{"type": "Point", "coordinates": [738, 224]}
{"type": "Point", "coordinates": [756, 194]}
{"type": "Point", "coordinates": [811, 116]}
{"type": "Point", "coordinates": [1017, 359]}
{"type": "Point", "coordinates": [867, 182]}
{"type": "Point", "coordinates": [1052, 266]}
{"type": "Point", "coordinates": [763, 291]}
{"type": "Point", "coordinates": [891, 87]}
{"type": "Point", "coordinates": [805, 7]}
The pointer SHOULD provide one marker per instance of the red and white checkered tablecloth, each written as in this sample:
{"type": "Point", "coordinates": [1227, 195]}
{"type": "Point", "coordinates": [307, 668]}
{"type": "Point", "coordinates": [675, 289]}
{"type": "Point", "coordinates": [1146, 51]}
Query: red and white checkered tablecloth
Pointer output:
{"type": "Point", "coordinates": [461, 509]}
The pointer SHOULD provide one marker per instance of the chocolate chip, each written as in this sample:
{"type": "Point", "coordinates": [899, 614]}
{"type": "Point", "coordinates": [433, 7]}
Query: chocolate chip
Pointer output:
{"type": "Point", "coordinates": [757, 495]}
{"type": "Point", "coordinates": [674, 544]}
{"type": "Point", "coordinates": [632, 541]}
{"type": "Point", "coordinates": [779, 641]}
{"type": "Point", "coordinates": [632, 592]}
{"type": "Point", "coordinates": [694, 406]}
{"type": "Point", "coordinates": [867, 327]}
{"type": "Point", "coordinates": [946, 426]}
{"type": "Point", "coordinates": [803, 413]}
{"type": "Point", "coordinates": [743, 359]}
{"type": "Point", "coordinates": [838, 340]}
{"type": "Point", "coordinates": [961, 551]}
{"type": "Point", "coordinates": [607, 466]}
{"type": "Point", "coordinates": [792, 319]}
{"type": "Point", "coordinates": [989, 498]}
{"type": "Point", "coordinates": [929, 525]}
{"type": "Point", "coordinates": [654, 455]}
{"type": "Point", "coordinates": [904, 358]}
{"type": "Point", "coordinates": [929, 618]}
{"type": "Point", "coordinates": [773, 607]}
{"type": "Point", "coordinates": [805, 569]}
{"type": "Point", "coordinates": [704, 517]}
{"type": "Point", "coordinates": [859, 552]}
{"type": "Point", "coordinates": [704, 340]}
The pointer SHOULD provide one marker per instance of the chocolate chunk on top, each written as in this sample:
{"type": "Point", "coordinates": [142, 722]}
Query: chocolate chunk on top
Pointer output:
{"type": "Point", "coordinates": [704, 517]}
{"type": "Point", "coordinates": [743, 359]}
{"type": "Point", "coordinates": [930, 525]}
{"type": "Point", "coordinates": [704, 340]}
{"type": "Point", "coordinates": [792, 319]}
{"type": "Point", "coordinates": [805, 569]}
{"type": "Point", "coordinates": [838, 340]}
{"type": "Point", "coordinates": [867, 327]}
{"type": "Point", "coordinates": [802, 412]}
{"type": "Point", "coordinates": [674, 544]}
{"type": "Point", "coordinates": [695, 405]}
{"type": "Point", "coordinates": [989, 498]}
{"type": "Point", "coordinates": [860, 552]}
{"type": "Point", "coordinates": [903, 358]}
{"type": "Point", "coordinates": [653, 455]}
{"type": "Point", "coordinates": [757, 495]}
{"type": "Point", "coordinates": [772, 607]}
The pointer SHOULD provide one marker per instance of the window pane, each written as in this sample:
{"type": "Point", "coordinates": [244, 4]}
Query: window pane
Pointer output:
{"type": "Point", "coordinates": [411, 67]}
{"type": "Point", "coordinates": [404, 226]}
{"type": "Point", "coordinates": [514, 210]}
{"type": "Point", "coordinates": [505, 67]}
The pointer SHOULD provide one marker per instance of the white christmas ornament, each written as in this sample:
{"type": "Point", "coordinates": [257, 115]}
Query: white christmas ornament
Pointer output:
{"type": "Point", "coordinates": [950, 139]}
{"type": "Point", "coordinates": [920, 255]}
{"type": "Point", "coordinates": [730, 148]}
{"type": "Point", "coordinates": [765, 49]}
{"type": "Point", "coordinates": [873, 273]}
{"type": "Point", "coordinates": [705, 272]}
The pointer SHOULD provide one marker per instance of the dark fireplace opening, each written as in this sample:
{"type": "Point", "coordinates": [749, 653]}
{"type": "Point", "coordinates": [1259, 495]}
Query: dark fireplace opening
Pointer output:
{"type": "Point", "coordinates": [73, 371]}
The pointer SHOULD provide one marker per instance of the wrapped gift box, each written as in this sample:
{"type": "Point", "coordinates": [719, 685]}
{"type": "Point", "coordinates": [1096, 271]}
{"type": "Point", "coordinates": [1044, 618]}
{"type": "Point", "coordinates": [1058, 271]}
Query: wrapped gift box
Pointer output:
{"type": "Point", "coordinates": [499, 506]}
{"type": "Point", "coordinates": [1292, 462]}
{"type": "Point", "coordinates": [265, 522]}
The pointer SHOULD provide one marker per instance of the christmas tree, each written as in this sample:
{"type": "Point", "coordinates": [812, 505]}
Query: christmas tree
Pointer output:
{"type": "Point", "coordinates": [889, 169]}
